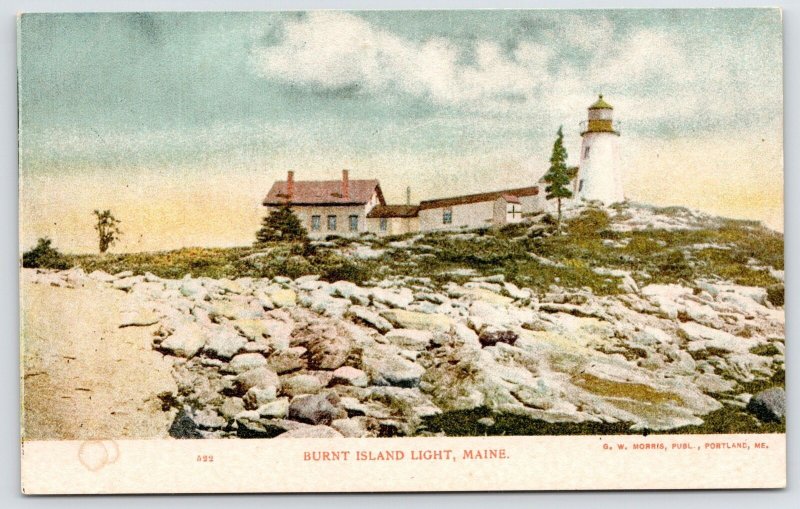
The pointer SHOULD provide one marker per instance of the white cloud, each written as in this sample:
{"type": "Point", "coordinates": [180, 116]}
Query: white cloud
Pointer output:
{"type": "Point", "coordinates": [338, 50]}
{"type": "Point", "coordinates": [652, 74]}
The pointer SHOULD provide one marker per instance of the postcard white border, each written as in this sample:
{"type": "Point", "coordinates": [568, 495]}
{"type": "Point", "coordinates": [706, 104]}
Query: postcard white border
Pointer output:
{"type": "Point", "coordinates": [288, 465]}
{"type": "Point", "coordinates": [37, 451]}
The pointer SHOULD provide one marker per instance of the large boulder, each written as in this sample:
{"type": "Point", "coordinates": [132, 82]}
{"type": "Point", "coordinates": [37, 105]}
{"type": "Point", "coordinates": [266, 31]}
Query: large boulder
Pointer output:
{"type": "Point", "coordinates": [291, 359]}
{"type": "Point", "coordinates": [317, 408]}
{"type": "Point", "coordinates": [301, 384]}
{"type": "Point", "coordinates": [393, 370]}
{"type": "Point", "coordinates": [410, 339]}
{"type": "Point", "coordinates": [224, 344]}
{"type": "Point", "coordinates": [260, 377]}
{"type": "Point", "coordinates": [769, 405]}
{"type": "Point", "coordinates": [490, 336]}
{"type": "Point", "coordinates": [401, 298]}
{"type": "Point", "coordinates": [363, 315]}
{"type": "Point", "coordinates": [257, 396]}
{"type": "Point", "coordinates": [347, 375]}
{"type": "Point", "coordinates": [413, 320]}
{"type": "Point", "coordinates": [185, 341]}
{"type": "Point", "coordinates": [328, 351]}
{"type": "Point", "coordinates": [283, 298]}
{"type": "Point", "coordinates": [247, 361]}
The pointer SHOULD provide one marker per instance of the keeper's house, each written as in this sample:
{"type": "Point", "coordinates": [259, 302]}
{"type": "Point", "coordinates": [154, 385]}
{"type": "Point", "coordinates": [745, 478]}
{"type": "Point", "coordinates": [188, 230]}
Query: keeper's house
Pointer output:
{"type": "Point", "coordinates": [328, 207]}
{"type": "Point", "coordinates": [497, 208]}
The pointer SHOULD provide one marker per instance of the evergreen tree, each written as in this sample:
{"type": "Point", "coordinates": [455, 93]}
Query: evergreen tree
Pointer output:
{"type": "Point", "coordinates": [107, 227]}
{"type": "Point", "coordinates": [281, 224]}
{"type": "Point", "coordinates": [557, 176]}
{"type": "Point", "coordinates": [44, 255]}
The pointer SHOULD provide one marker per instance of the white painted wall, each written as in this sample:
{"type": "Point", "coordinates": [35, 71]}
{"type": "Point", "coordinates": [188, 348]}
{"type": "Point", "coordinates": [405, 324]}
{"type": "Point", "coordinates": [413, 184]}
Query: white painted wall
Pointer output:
{"type": "Point", "coordinates": [599, 174]}
{"type": "Point", "coordinates": [471, 215]}
{"type": "Point", "coordinates": [342, 213]}
{"type": "Point", "coordinates": [394, 225]}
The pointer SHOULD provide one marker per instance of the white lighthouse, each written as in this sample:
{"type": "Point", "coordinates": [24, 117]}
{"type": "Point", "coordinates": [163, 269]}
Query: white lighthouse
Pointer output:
{"type": "Point", "coordinates": [599, 176]}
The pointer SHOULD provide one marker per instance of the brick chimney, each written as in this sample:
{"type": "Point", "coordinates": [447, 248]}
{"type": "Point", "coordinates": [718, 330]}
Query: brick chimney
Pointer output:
{"type": "Point", "coordinates": [346, 184]}
{"type": "Point", "coordinates": [290, 184]}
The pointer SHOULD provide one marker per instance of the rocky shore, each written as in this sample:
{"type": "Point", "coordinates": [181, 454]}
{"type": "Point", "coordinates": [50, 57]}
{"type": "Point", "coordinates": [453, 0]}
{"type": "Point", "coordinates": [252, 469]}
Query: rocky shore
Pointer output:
{"type": "Point", "coordinates": [281, 357]}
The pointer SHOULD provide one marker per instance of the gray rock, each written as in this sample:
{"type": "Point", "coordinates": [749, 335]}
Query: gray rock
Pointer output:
{"type": "Point", "coordinates": [209, 419]}
{"type": "Point", "coordinates": [328, 352]}
{"type": "Point", "coordinates": [261, 378]}
{"type": "Point", "coordinates": [103, 277]}
{"type": "Point", "coordinates": [317, 408]}
{"type": "Point", "coordinates": [284, 361]}
{"type": "Point", "coordinates": [350, 291]}
{"type": "Point", "coordinates": [393, 370]}
{"type": "Point", "coordinates": [400, 299]}
{"type": "Point", "coordinates": [410, 339]}
{"type": "Point", "coordinates": [277, 409]}
{"type": "Point", "coordinates": [193, 289]}
{"type": "Point", "coordinates": [414, 320]}
{"type": "Point", "coordinates": [301, 384]}
{"type": "Point", "coordinates": [126, 283]}
{"type": "Point", "coordinates": [363, 315]}
{"type": "Point", "coordinates": [351, 428]}
{"type": "Point", "coordinates": [490, 336]}
{"type": "Point", "coordinates": [185, 341]}
{"type": "Point", "coordinates": [247, 361]}
{"type": "Point", "coordinates": [231, 407]}
{"type": "Point", "coordinates": [347, 375]}
{"type": "Point", "coordinates": [769, 405]}
{"type": "Point", "coordinates": [224, 343]}
{"type": "Point", "coordinates": [283, 298]}
{"type": "Point", "coordinates": [257, 397]}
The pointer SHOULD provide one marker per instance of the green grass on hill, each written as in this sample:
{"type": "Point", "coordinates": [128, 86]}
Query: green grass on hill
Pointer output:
{"type": "Point", "coordinates": [516, 251]}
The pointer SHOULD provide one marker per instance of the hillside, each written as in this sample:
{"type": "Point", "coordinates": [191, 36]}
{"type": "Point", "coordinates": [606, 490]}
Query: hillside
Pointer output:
{"type": "Point", "coordinates": [636, 320]}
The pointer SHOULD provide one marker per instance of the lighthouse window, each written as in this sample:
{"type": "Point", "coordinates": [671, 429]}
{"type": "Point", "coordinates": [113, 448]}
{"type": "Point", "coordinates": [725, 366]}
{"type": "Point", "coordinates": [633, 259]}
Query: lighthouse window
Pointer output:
{"type": "Point", "coordinates": [580, 185]}
{"type": "Point", "coordinates": [586, 152]}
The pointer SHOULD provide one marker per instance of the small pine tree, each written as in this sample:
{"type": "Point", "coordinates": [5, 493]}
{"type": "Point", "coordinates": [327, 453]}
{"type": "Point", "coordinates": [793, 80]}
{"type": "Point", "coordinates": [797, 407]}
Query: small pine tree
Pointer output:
{"type": "Point", "coordinates": [557, 176]}
{"type": "Point", "coordinates": [107, 227]}
{"type": "Point", "coordinates": [281, 224]}
{"type": "Point", "coordinates": [44, 256]}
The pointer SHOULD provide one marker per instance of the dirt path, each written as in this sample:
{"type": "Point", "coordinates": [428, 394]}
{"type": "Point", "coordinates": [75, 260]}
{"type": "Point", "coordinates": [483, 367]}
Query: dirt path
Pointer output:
{"type": "Point", "coordinates": [84, 377]}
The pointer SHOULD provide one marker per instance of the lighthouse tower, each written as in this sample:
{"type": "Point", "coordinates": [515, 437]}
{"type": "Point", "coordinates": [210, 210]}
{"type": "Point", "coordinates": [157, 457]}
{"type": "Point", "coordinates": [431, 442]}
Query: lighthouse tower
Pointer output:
{"type": "Point", "coordinates": [599, 176]}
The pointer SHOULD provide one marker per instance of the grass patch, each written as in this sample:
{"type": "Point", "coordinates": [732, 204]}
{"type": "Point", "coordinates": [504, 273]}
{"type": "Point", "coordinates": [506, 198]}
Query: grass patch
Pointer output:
{"type": "Point", "coordinates": [634, 391]}
{"type": "Point", "coordinates": [652, 256]}
{"type": "Point", "coordinates": [767, 350]}
{"type": "Point", "coordinates": [459, 423]}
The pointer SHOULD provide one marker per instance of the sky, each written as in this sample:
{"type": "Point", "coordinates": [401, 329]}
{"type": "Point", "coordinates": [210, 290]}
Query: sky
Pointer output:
{"type": "Point", "coordinates": [180, 122]}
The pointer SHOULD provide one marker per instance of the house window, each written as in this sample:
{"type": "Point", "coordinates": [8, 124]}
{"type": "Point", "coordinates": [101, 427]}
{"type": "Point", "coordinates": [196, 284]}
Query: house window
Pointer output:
{"type": "Point", "coordinates": [384, 224]}
{"type": "Point", "coordinates": [332, 223]}
{"type": "Point", "coordinates": [514, 212]}
{"type": "Point", "coordinates": [586, 152]}
{"type": "Point", "coordinates": [316, 223]}
{"type": "Point", "coordinates": [580, 185]}
{"type": "Point", "coordinates": [447, 216]}
{"type": "Point", "coordinates": [353, 220]}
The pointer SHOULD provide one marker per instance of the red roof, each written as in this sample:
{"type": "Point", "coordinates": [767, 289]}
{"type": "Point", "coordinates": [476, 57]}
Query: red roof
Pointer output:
{"type": "Point", "coordinates": [323, 192]}
{"type": "Point", "coordinates": [510, 198]}
{"type": "Point", "coordinates": [477, 198]}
